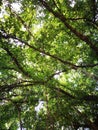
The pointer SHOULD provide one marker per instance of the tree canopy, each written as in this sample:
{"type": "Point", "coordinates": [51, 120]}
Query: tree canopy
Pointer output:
{"type": "Point", "coordinates": [48, 64]}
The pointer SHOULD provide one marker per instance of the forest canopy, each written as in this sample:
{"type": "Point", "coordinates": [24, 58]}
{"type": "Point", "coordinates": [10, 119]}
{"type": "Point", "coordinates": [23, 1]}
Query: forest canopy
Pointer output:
{"type": "Point", "coordinates": [48, 64]}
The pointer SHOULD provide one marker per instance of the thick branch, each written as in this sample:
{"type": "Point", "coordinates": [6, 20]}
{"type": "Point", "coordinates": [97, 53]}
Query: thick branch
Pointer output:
{"type": "Point", "coordinates": [92, 98]}
{"type": "Point", "coordinates": [16, 61]}
{"type": "Point", "coordinates": [73, 66]}
{"type": "Point", "coordinates": [62, 18]}
{"type": "Point", "coordinates": [89, 122]}
{"type": "Point", "coordinates": [17, 85]}
{"type": "Point", "coordinates": [65, 93]}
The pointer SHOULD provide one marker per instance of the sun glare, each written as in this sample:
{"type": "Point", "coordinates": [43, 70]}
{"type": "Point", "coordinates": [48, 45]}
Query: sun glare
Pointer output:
{"type": "Point", "coordinates": [16, 7]}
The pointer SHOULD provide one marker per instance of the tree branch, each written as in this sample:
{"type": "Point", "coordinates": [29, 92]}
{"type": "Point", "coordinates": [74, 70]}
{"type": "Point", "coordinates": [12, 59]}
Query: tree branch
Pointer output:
{"type": "Point", "coordinates": [16, 62]}
{"type": "Point", "coordinates": [73, 66]}
{"type": "Point", "coordinates": [89, 122]}
{"type": "Point", "coordinates": [6, 88]}
{"type": "Point", "coordinates": [62, 18]}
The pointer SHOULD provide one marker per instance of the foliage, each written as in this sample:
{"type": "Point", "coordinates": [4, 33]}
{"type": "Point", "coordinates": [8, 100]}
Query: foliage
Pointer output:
{"type": "Point", "coordinates": [48, 56]}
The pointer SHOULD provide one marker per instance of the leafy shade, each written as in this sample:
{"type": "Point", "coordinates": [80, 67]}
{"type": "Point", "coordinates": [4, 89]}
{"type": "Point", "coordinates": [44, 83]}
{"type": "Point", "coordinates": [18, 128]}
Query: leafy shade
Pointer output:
{"type": "Point", "coordinates": [48, 64]}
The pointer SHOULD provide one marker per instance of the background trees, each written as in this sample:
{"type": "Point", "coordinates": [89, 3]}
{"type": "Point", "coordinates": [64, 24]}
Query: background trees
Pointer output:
{"type": "Point", "coordinates": [49, 56]}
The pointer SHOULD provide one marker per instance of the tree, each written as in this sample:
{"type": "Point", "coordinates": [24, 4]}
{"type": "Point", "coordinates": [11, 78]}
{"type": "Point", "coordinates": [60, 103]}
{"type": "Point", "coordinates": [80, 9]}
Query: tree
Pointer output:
{"type": "Point", "coordinates": [49, 55]}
